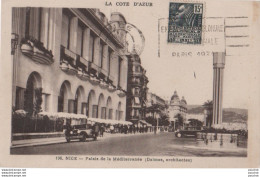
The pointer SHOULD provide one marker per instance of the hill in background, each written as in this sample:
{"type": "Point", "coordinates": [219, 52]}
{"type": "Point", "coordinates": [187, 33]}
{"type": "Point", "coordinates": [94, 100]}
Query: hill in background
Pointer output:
{"type": "Point", "coordinates": [229, 114]}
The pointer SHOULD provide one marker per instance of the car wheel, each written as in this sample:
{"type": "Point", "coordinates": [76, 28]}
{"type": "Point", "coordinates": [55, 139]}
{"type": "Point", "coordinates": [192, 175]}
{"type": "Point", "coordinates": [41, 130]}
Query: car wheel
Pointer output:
{"type": "Point", "coordinates": [179, 135]}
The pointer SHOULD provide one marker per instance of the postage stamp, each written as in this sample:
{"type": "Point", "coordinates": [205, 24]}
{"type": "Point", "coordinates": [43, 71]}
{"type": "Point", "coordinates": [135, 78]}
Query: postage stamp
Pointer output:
{"type": "Point", "coordinates": [185, 23]}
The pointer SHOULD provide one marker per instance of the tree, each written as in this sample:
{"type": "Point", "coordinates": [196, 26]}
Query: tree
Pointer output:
{"type": "Point", "coordinates": [38, 100]}
{"type": "Point", "coordinates": [195, 123]}
{"type": "Point", "coordinates": [37, 104]}
{"type": "Point", "coordinates": [208, 105]}
{"type": "Point", "coordinates": [159, 109]}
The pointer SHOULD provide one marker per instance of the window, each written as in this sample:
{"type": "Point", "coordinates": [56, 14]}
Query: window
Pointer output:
{"type": "Point", "coordinates": [33, 22]}
{"type": "Point", "coordinates": [71, 106]}
{"type": "Point", "coordinates": [138, 80]}
{"type": "Point", "coordinates": [37, 24]}
{"type": "Point", "coordinates": [137, 91]}
{"type": "Point", "coordinates": [109, 60]}
{"type": "Point", "coordinates": [95, 111]}
{"type": "Point", "coordinates": [80, 31]}
{"type": "Point", "coordinates": [119, 71]}
{"type": "Point", "coordinates": [120, 115]}
{"type": "Point", "coordinates": [101, 54]}
{"type": "Point", "coordinates": [65, 30]}
{"type": "Point", "coordinates": [91, 47]}
{"type": "Point", "coordinates": [136, 112]}
{"type": "Point", "coordinates": [116, 114]}
{"type": "Point", "coordinates": [132, 112]}
{"type": "Point", "coordinates": [137, 100]}
{"type": "Point", "coordinates": [110, 114]}
{"type": "Point", "coordinates": [103, 113]}
{"type": "Point", "coordinates": [27, 23]}
{"type": "Point", "coordinates": [137, 68]}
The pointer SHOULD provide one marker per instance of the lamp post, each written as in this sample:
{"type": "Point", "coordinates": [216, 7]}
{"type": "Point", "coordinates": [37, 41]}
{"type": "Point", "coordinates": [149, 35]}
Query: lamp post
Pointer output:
{"type": "Point", "coordinates": [14, 43]}
{"type": "Point", "coordinates": [157, 123]}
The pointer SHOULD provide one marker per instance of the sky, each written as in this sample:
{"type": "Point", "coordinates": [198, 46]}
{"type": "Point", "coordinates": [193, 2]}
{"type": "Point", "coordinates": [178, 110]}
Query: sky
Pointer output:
{"type": "Point", "coordinates": [192, 77]}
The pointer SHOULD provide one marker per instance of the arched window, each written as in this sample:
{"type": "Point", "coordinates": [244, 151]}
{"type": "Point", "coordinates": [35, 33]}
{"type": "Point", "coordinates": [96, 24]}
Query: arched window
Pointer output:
{"type": "Point", "coordinates": [61, 98]}
{"type": "Point", "coordinates": [101, 107]}
{"type": "Point", "coordinates": [109, 108]}
{"type": "Point", "coordinates": [76, 102]}
{"type": "Point", "coordinates": [92, 106]}
{"type": "Point", "coordinates": [33, 94]}
{"type": "Point", "coordinates": [64, 96]}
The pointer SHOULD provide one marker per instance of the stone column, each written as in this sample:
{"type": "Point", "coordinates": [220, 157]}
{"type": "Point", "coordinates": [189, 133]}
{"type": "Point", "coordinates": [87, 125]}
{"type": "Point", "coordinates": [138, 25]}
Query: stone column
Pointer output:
{"type": "Point", "coordinates": [105, 57]}
{"type": "Point", "coordinates": [79, 106]}
{"type": "Point", "coordinates": [124, 69]}
{"type": "Point", "coordinates": [218, 66]}
{"type": "Point", "coordinates": [34, 22]}
{"type": "Point", "coordinates": [52, 28]}
{"type": "Point", "coordinates": [43, 102]}
{"type": "Point", "coordinates": [96, 50]}
{"type": "Point", "coordinates": [73, 34]}
{"type": "Point", "coordinates": [16, 20]}
{"type": "Point", "coordinates": [86, 43]}
{"type": "Point", "coordinates": [44, 27]}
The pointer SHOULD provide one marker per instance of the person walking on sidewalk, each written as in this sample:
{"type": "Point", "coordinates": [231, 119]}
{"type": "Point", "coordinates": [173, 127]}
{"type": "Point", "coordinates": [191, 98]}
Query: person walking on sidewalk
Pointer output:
{"type": "Point", "coordinates": [68, 127]}
{"type": "Point", "coordinates": [96, 129]}
{"type": "Point", "coordinates": [111, 129]}
{"type": "Point", "coordinates": [102, 129]}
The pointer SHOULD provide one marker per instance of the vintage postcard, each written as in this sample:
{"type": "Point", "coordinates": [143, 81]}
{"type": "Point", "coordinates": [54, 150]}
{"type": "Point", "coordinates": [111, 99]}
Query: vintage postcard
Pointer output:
{"type": "Point", "coordinates": [113, 83]}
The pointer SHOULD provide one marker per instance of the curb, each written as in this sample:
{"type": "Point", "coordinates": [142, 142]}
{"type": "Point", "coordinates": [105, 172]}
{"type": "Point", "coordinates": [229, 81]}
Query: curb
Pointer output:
{"type": "Point", "coordinates": [64, 141]}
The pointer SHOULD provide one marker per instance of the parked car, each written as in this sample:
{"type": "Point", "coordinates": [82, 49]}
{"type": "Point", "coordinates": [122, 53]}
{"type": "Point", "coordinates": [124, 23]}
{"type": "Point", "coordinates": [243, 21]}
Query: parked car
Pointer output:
{"type": "Point", "coordinates": [188, 132]}
{"type": "Point", "coordinates": [81, 132]}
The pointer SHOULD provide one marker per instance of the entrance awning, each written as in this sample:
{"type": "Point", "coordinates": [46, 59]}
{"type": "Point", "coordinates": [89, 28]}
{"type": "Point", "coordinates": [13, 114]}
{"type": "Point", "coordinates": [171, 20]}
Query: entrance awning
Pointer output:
{"type": "Point", "coordinates": [109, 121]}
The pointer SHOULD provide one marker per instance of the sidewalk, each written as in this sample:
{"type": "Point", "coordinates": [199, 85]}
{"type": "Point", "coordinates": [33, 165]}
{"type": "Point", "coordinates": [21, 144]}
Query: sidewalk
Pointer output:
{"type": "Point", "coordinates": [56, 140]}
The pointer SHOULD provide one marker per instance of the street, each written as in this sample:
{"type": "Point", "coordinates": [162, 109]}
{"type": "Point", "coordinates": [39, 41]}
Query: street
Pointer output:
{"type": "Point", "coordinates": [162, 144]}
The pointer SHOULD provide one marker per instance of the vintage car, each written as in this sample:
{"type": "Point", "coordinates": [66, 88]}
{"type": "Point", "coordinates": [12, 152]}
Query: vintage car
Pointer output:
{"type": "Point", "coordinates": [81, 132]}
{"type": "Point", "coordinates": [188, 132]}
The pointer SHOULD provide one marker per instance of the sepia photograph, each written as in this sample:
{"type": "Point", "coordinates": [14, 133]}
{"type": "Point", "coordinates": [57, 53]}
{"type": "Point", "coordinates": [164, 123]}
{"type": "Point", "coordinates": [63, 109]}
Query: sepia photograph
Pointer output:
{"type": "Point", "coordinates": [133, 81]}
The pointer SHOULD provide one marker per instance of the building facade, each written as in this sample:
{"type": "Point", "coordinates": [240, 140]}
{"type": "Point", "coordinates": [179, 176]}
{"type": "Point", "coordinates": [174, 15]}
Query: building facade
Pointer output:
{"type": "Point", "coordinates": [177, 106]}
{"type": "Point", "coordinates": [136, 89]}
{"type": "Point", "coordinates": [153, 99]}
{"type": "Point", "coordinates": [74, 58]}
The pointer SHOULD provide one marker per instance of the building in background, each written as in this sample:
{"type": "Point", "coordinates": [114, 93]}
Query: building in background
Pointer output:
{"type": "Point", "coordinates": [161, 104]}
{"type": "Point", "coordinates": [70, 60]}
{"type": "Point", "coordinates": [177, 107]}
{"type": "Point", "coordinates": [136, 89]}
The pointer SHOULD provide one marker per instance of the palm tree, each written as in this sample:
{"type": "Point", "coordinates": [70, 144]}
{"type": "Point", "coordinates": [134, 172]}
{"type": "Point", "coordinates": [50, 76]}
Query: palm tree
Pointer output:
{"type": "Point", "coordinates": [208, 105]}
{"type": "Point", "coordinates": [157, 109]}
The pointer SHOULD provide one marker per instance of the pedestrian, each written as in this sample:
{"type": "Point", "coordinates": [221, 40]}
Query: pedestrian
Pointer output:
{"type": "Point", "coordinates": [130, 129]}
{"type": "Point", "coordinates": [68, 127]}
{"type": "Point", "coordinates": [102, 129]}
{"type": "Point", "coordinates": [111, 128]}
{"type": "Point", "coordinates": [126, 129]}
{"type": "Point", "coordinates": [96, 129]}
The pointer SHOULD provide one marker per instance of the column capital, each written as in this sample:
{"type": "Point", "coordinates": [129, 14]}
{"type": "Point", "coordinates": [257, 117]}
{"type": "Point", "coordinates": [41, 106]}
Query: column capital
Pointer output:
{"type": "Point", "coordinates": [218, 59]}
